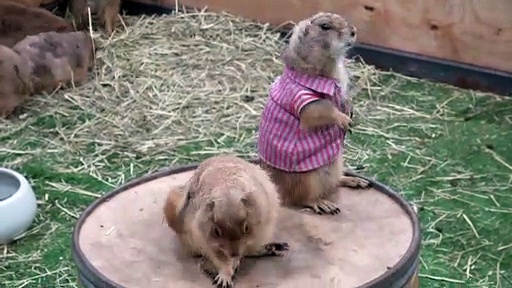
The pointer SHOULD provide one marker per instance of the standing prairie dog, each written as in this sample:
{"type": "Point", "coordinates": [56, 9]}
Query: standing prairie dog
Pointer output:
{"type": "Point", "coordinates": [226, 211]}
{"type": "Point", "coordinates": [106, 10]}
{"type": "Point", "coordinates": [303, 124]}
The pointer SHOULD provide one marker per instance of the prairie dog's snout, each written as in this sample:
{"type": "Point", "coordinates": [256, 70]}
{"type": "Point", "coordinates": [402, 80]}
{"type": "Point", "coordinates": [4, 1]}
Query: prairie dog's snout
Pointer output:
{"type": "Point", "coordinates": [352, 33]}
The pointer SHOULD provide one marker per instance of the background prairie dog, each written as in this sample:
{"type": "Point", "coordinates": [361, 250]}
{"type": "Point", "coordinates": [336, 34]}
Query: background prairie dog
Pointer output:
{"type": "Point", "coordinates": [303, 124]}
{"type": "Point", "coordinates": [226, 211]}
{"type": "Point", "coordinates": [15, 85]}
{"type": "Point", "coordinates": [56, 58]}
{"type": "Point", "coordinates": [106, 10]}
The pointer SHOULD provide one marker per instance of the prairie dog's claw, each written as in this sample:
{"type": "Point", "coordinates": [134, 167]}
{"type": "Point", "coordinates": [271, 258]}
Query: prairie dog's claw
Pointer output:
{"type": "Point", "coordinates": [222, 281]}
{"type": "Point", "coordinates": [353, 182]}
{"type": "Point", "coordinates": [344, 121]}
{"type": "Point", "coordinates": [323, 207]}
{"type": "Point", "coordinates": [277, 248]}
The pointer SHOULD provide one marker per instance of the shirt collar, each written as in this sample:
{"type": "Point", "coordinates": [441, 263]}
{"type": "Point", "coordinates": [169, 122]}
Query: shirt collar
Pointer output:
{"type": "Point", "coordinates": [316, 83]}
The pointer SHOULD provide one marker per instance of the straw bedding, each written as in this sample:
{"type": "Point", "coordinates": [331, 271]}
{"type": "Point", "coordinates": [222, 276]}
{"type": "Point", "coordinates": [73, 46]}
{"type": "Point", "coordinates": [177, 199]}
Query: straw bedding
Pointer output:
{"type": "Point", "coordinates": [180, 88]}
{"type": "Point", "coordinates": [161, 83]}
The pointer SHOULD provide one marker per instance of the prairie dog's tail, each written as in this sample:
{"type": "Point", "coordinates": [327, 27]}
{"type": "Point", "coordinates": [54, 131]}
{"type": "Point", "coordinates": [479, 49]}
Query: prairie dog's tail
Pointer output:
{"type": "Point", "coordinates": [176, 202]}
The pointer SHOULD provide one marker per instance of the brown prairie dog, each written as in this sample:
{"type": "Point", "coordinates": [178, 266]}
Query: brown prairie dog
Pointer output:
{"type": "Point", "coordinates": [106, 10]}
{"type": "Point", "coordinates": [226, 211]}
{"type": "Point", "coordinates": [301, 133]}
{"type": "Point", "coordinates": [15, 85]}
{"type": "Point", "coordinates": [56, 58]}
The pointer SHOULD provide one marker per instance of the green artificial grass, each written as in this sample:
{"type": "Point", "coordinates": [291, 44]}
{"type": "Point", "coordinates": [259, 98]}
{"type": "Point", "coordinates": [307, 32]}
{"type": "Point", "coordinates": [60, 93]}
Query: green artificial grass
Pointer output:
{"type": "Point", "coordinates": [447, 150]}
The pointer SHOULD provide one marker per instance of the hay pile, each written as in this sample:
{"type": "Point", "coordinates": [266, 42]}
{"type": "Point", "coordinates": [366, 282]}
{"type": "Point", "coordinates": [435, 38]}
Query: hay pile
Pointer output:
{"type": "Point", "coordinates": [163, 82]}
{"type": "Point", "coordinates": [184, 87]}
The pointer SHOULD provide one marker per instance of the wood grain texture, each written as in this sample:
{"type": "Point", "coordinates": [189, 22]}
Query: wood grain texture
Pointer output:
{"type": "Point", "coordinates": [477, 32]}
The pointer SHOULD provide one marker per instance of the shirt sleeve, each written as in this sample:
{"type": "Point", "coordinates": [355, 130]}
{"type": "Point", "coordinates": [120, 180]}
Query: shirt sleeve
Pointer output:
{"type": "Point", "coordinates": [302, 99]}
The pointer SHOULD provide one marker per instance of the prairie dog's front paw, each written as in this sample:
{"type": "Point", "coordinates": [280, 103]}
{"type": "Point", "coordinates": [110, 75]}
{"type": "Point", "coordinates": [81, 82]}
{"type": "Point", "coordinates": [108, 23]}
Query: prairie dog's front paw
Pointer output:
{"type": "Point", "coordinates": [223, 281]}
{"type": "Point", "coordinates": [208, 268]}
{"type": "Point", "coordinates": [343, 121]}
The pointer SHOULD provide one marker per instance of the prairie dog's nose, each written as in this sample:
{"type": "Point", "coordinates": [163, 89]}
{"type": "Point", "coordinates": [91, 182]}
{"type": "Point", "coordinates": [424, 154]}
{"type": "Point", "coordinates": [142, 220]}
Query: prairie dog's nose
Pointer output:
{"type": "Point", "coordinates": [353, 31]}
{"type": "Point", "coordinates": [235, 254]}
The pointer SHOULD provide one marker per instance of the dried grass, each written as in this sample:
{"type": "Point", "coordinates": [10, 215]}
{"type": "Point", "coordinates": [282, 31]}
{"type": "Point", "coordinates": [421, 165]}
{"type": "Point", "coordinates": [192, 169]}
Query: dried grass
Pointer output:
{"type": "Point", "coordinates": [162, 83]}
{"type": "Point", "coordinates": [166, 83]}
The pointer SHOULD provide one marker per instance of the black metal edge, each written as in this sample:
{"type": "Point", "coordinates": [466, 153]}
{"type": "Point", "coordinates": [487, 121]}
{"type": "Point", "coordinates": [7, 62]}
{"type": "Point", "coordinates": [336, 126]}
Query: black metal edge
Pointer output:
{"type": "Point", "coordinates": [401, 268]}
{"type": "Point", "coordinates": [411, 274]}
{"type": "Point", "coordinates": [411, 64]}
{"type": "Point", "coordinates": [435, 69]}
{"type": "Point", "coordinates": [385, 280]}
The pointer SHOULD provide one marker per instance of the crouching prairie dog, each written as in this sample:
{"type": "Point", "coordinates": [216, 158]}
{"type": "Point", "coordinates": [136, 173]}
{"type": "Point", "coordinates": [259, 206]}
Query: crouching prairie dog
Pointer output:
{"type": "Point", "coordinates": [226, 211]}
{"type": "Point", "coordinates": [106, 10]}
{"type": "Point", "coordinates": [57, 59]}
{"type": "Point", "coordinates": [15, 85]}
{"type": "Point", "coordinates": [303, 124]}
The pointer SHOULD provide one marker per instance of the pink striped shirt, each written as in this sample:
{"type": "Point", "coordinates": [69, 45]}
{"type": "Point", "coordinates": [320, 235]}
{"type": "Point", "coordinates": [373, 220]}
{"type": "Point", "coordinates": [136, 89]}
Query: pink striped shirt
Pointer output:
{"type": "Point", "coordinates": [282, 143]}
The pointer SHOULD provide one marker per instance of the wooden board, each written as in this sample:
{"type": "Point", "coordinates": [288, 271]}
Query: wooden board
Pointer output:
{"type": "Point", "coordinates": [477, 32]}
{"type": "Point", "coordinates": [372, 240]}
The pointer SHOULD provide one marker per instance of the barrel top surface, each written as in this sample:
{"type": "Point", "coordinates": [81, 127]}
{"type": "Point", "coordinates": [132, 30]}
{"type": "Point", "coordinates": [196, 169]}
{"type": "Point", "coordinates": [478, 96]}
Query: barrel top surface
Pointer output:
{"type": "Point", "coordinates": [127, 241]}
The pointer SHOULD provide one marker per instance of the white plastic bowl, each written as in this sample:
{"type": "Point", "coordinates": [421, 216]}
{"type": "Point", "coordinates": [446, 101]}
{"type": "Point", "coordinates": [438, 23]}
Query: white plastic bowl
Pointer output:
{"type": "Point", "coordinates": [18, 205]}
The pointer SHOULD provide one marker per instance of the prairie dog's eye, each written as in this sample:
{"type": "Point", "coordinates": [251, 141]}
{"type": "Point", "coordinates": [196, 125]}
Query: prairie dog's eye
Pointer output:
{"type": "Point", "coordinates": [245, 228]}
{"type": "Point", "coordinates": [325, 26]}
{"type": "Point", "coordinates": [216, 232]}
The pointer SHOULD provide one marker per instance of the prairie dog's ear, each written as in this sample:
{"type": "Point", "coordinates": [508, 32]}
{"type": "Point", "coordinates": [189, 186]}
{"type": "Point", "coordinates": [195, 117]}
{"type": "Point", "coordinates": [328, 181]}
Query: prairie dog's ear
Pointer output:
{"type": "Point", "coordinates": [215, 231]}
{"type": "Point", "coordinates": [305, 30]}
{"type": "Point", "coordinates": [209, 211]}
{"type": "Point", "coordinates": [245, 227]}
{"type": "Point", "coordinates": [301, 30]}
{"type": "Point", "coordinates": [247, 201]}
{"type": "Point", "coordinates": [210, 206]}
{"type": "Point", "coordinates": [194, 185]}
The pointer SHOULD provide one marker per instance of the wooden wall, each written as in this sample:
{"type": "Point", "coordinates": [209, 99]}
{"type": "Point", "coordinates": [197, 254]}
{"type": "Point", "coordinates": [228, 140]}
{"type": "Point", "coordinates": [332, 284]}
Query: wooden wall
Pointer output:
{"type": "Point", "coordinates": [477, 32]}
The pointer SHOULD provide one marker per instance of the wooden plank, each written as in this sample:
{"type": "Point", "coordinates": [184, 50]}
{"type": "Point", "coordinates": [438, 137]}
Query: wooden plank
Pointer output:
{"type": "Point", "coordinates": [477, 32]}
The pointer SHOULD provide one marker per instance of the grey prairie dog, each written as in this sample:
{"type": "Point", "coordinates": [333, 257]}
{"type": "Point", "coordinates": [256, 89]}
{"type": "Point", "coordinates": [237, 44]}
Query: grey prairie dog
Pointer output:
{"type": "Point", "coordinates": [304, 122]}
{"type": "Point", "coordinates": [106, 10]}
{"type": "Point", "coordinates": [226, 211]}
{"type": "Point", "coordinates": [56, 58]}
{"type": "Point", "coordinates": [15, 85]}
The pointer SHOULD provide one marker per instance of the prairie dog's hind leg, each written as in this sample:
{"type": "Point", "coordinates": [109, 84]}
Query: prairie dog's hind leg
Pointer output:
{"type": "Point", "coordinates": [348, 181]}
{"type": "Point", "coordinates": [353, 182]}
{"type": "Point", "coordinates": [305, 189]}
{"type": "Point", "coordinates": [317, 183]}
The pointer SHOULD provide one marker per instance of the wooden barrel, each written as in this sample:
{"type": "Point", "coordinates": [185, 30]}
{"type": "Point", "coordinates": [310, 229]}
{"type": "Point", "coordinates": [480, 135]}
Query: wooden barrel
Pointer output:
{"type": "Point", "coordinates": [121, 240]}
